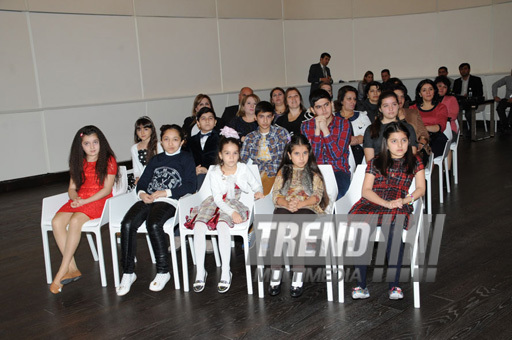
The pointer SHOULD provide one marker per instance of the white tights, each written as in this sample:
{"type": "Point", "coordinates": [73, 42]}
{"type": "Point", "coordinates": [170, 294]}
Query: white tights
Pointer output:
{"type": "Point", "coordinates": [224, 237]}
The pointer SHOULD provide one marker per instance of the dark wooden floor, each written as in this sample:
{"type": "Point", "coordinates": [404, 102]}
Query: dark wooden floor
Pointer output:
{"type": "Point", "coordinates": [470, 299]}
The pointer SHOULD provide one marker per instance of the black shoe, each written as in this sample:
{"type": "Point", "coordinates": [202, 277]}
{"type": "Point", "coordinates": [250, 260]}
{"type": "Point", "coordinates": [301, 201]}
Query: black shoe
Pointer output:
{"type": "Point", "coordinates": [296, 292]}
{"type": "Point", "coordinates": [274, 290]}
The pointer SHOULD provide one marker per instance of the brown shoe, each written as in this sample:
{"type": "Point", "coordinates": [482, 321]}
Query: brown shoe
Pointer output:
{"type": "Point", "coordinates": [71, 277]}
{"type": "Point", "coordinates": [55, 288]}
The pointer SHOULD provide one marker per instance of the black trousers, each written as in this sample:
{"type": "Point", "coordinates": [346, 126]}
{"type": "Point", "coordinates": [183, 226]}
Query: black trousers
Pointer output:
{"type": "Point", "coordinates": [155, 215]}
{"type": "Point", "coordinates": [501, 109]}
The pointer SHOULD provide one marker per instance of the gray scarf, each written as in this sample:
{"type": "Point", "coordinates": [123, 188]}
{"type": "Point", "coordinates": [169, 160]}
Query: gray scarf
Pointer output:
{"type": "Point", "coordinates": [306, 181]}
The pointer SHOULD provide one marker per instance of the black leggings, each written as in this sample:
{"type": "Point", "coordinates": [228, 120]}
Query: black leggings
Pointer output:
{"type": "Point", "coordinates": [155, 215]}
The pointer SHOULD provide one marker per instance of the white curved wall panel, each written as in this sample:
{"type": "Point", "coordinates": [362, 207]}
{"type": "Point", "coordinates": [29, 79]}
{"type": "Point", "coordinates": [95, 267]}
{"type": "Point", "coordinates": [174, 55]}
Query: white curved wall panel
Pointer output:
{"type": "Point", "coordinates": [85, 59]}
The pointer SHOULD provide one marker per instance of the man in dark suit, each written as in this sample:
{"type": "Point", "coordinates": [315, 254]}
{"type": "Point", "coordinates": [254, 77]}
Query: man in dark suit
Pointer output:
{"type": "Point", "coordinates": [467, 89]}
{"type": "Point", "coordinates": [319, 73]}
{"type": "Point", "coordinates": [230, 111]}
{"type": "Point", "coordinates": [204, 145]}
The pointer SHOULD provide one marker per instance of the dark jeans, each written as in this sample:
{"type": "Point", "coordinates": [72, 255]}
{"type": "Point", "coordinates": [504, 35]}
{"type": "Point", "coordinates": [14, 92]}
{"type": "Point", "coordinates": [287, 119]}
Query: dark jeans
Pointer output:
{"type": "Point", "coordinates": [343, 182]}
{"type": "Point", "coordinates": [155, 215]}
{"type": "Point", "coordinates": [391, 266]}
{"type": "Point", "coordinates": [501, 109]}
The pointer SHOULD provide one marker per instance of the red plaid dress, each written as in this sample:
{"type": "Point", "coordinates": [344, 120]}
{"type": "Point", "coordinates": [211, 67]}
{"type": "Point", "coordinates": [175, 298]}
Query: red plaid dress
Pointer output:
{"type": "Point", "coordinates": [395, 185]}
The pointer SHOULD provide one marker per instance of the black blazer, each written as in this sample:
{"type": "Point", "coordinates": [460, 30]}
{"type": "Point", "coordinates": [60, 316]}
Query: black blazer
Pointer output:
{"type": "Point", "coordinates": [229, 114]}
{"type": "Point", "coordinates": [207, 156]}
{"type": "Point", "coordinates": [475, 83]}
{"type": "Point", "coordinates": [315, 73]}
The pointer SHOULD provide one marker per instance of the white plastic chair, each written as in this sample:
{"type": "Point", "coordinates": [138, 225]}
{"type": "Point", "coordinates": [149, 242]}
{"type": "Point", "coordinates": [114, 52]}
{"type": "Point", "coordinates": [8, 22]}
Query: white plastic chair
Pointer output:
{"type": "Point", "coordinates": [119, 206]}
{"type": "Point", "coordinates": [242, 229]}
{"type": "Point", "coordinates": [50, 207]}
{"type": "Point", "coordinates": [343, 206]}
{"type": "Point", "coordinates": [266, 206]}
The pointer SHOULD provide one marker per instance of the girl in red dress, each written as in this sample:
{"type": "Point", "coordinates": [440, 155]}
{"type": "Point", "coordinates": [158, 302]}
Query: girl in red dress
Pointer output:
{"type": "Point", "coordinates": [385, 192]}
{"type": "Point", "coordinates": [93, 170]}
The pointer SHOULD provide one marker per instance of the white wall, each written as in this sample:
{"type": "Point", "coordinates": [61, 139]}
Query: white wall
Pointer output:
{"type": "Point", "coordinates": [106, 62]}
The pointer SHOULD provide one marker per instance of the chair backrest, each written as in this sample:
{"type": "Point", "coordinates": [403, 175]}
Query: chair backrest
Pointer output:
{"type": "Point", "coordinates": [354, 191]}
{"type": "Point", "coordinates": [121, 186]}
{"type": "Point", "coordinates": [448, 131]}
{"type": "Point", "coordinates": [330, 185]}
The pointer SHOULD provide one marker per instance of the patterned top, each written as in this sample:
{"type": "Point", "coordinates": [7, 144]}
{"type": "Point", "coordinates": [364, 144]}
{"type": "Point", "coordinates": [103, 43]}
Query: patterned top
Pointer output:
{"type": "Point", "coordinates": [394, 186]}
{"type": "Point", "coordinates": [142, 156]}
{"type": "Point", "coordinates": [332, 149]}
{"type": "Point", "coordinates": [296, 190]}
{"type": "Point", "coordinates": [276, 140]}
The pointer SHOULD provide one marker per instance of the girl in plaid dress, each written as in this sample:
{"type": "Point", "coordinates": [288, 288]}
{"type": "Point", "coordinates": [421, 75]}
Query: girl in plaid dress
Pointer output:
{"type": "Point", "coordinates": [385, 192]}
{"type": "Point", "coordinates": [222, 210]}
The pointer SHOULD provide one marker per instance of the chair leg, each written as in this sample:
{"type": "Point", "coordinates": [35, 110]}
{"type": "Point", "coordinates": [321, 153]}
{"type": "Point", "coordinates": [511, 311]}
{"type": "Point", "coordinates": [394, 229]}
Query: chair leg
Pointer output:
{"type": "Point", "coordinates": [151, 252]}
{"type": "Point", "coordinates": [115, 259]}
{"type": "Point", "coordinates": [247, 264]}
{"type": "Point", "coordinates": [447, 175]}
{"type": "Point", "coordinates": [192, 251]}
{"type": "Point", "coordinates": [184, 262]}
{"type": "Point", "coordinates": [485, 122]}
{"type": "Point", "coordinates": [174, 260]}
{"type": "Point", "coordinates": [441, 193]}
{"type": "Point", "coordinates": [216, 251]}
{"type": "Point", "coordinates": [92, 246]}
{"type": "Point", "coordinates": [101, 258]}
{"type": "Point", "coordinates": [47, 259]}
{"type": "Point", "coordinates": [455, 166]}
{"type": "Point", "coordinates": [341, 284]}
{"type": "Point", "coordinates": [261, 287]}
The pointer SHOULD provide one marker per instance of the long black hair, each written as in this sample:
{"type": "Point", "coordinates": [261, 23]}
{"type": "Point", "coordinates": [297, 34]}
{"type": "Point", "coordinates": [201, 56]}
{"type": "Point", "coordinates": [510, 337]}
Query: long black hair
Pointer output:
{"type": "Point", "coordinates": [146, 122]}
{"type": "Point", "coordinates": [383, 161]}
{"type": "Point", "coordinates": [286, 165]}
{"type": "Point", "coordinates": [377, 123]}
{"type": "Point", "coordinates": [77, 156]}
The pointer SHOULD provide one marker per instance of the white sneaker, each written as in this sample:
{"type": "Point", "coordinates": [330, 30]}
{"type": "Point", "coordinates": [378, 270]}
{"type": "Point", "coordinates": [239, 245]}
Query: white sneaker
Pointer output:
{"type": "Point", "coordinates": [396, 293]}
{"type": "Point", "coordinates": [159, 282]}
{"type": "Point", "coordinates": [126, 284]}
{"type": "Point", "coordinates": [360, 293]}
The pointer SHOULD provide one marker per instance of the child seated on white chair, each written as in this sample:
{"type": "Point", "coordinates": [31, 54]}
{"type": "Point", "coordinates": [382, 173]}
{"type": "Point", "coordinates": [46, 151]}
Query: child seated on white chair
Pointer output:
{"type": "Point", "coordinates": [385, 192]}
{"type": "Point", "coordinates": [168, 176]}
{"type": "Point", "coordinates": [223, 209]}
{"type": "Point", "coordinates": [299, 189]}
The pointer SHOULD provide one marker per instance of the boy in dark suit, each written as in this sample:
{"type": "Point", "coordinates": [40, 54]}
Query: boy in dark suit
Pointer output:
{"type": "Point", "coordinates": [204, 146]}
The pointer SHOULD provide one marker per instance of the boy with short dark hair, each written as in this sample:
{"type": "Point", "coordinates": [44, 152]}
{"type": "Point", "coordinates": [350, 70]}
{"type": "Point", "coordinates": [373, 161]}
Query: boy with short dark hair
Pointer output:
{"type": "Point", "coordinates": [265, 146]}
{"type": "Point", "coordinates": [329, 137]}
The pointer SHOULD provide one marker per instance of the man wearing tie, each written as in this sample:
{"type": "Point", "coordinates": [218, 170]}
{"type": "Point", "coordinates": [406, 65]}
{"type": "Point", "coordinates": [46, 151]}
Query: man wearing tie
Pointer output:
{"type": "Point", "coordinates": [319, 73]}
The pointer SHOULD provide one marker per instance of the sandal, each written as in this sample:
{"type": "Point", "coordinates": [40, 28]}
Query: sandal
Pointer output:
{"type": "Point", "coordinates": [199, 284]}
{"type": "Point", "coordinates": [224, 286]}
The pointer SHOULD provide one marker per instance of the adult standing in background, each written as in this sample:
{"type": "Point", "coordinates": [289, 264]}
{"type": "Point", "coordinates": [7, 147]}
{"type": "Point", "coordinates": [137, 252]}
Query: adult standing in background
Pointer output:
{"type": "Point", "coordinates": [230, 111]}
{"type": "Point", "coordinates": [278, 101]}
{"type": "Point", "coordinates": [503, 103]}
{"type": "Point", "coordinates": [319, 73]}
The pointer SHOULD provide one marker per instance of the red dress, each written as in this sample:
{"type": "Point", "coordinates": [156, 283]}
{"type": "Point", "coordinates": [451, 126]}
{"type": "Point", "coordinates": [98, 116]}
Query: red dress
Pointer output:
{"type": "Point", "coordinates": [90, 187]}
